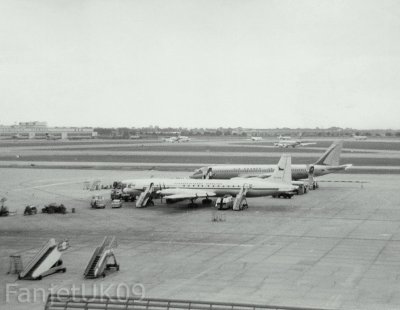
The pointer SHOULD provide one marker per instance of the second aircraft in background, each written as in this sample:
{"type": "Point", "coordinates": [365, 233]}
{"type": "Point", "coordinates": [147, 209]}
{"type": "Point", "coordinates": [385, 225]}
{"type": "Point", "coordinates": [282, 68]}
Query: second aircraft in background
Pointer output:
{"type": "Point", "coordinates": [329, 162]}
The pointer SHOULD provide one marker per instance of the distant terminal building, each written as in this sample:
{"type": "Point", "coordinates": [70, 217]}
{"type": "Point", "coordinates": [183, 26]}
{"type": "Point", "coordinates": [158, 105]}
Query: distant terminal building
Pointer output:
{"type": "Point", "coordinates": [40, 130]}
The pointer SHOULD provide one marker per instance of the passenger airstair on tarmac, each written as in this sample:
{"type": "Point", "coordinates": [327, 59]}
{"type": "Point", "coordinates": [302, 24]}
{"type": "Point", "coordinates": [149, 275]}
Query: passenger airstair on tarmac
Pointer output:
{"type": "Point", "coordinates": [47, 261]}
{"type": "Point", "coordinates": [145, 196]}
{"type": "Point", "coordinates": [98, 263]}
{"type": "Point", "coordinates": [239, 203]}
{"type": "Point", "coordinates": [208, 174]}
{"type": "Point", "coordinates": [312, 182]}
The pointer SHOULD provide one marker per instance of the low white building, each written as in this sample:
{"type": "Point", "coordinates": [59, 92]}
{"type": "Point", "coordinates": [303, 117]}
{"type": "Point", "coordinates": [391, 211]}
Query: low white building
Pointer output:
{"type": "Point", "coordinates": [40, 130]}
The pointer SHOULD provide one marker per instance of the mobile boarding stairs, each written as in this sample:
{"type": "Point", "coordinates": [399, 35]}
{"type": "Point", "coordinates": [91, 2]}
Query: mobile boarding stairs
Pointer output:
{"type": "Point", "coordinates": [145, 197]}
{"type": "Point", "coordinates": [99, 261]}
{"type": "Point", "coordinates": [47, 261]}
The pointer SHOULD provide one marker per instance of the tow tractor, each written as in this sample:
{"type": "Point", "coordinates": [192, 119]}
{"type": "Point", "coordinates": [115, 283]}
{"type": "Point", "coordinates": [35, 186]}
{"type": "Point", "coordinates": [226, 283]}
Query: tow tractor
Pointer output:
{"type": "Point", "coordinates": [118, 193]}
{"type": "Point", "coordinates": [4, 211]}
{"type": "Point", "coordinates": [286, 195]}
{"type": "Point", "coordinates": [237, 203]}
{"type": "Point", "coordinates": [30, 210]}
{"type": "Point", "coordinates": [225, 203]}
{"type": "Point", "coordinates": [128, 197]}
{"type": "Point", "coordinates": [116, 203]}
{"type": "Point", "coordinates": [98, 202]}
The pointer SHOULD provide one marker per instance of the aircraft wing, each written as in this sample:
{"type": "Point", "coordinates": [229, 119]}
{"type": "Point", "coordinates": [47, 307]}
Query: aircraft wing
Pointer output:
{"type": "Point", "coordinates": [248, 176]}
{"type": "Point", "coordinates": [307, 143]}
{"type": "Point", "coordinates": [339, 168]}
{"type": "Point", "coordinates": [281, 144]}
{"type": "Point", "coordinates": [179, 194]}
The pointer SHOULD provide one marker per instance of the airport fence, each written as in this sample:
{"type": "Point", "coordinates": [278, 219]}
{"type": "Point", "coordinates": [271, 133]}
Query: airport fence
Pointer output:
{"type": "Point", "coordinates": [67, 302]}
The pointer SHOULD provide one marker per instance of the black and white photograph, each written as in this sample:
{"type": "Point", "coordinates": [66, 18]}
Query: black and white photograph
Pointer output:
{"type": "Point", "coordinates": [200, 154]}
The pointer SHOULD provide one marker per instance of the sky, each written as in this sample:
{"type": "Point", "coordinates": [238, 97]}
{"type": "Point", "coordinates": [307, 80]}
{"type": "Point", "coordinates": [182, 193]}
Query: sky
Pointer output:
{"type": "Point", "coordinates": [204, 63]}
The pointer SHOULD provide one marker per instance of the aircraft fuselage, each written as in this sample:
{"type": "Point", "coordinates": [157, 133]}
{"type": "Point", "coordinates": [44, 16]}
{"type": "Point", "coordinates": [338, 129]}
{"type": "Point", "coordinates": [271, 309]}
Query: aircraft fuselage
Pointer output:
{"type": "Point", "coordinates": [256, 188]}
{"type": "Point", "coordinates": [263, 171]}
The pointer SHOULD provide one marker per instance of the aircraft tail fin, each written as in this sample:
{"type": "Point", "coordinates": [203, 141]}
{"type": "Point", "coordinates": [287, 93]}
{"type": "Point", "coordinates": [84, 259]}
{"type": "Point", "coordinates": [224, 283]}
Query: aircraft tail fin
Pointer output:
{"type": "Point", "coordinates": [332, 155]}
{"type": "Point", "coordinates": [283, 171]}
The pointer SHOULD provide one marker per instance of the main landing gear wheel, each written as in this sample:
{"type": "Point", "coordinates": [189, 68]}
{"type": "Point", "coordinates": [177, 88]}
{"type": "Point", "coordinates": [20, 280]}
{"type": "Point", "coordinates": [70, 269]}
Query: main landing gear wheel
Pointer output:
{"type": "Point", "coordinates": [206, 201]}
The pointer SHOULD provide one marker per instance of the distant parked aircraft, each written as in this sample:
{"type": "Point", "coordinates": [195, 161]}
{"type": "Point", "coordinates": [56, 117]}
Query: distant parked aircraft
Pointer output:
{"type": "Point", "coordinates": [256, 138]}
{"type": "Point", "coordinates": [286, 142]}
{"type": "Point", "coordinates": [177, 139]}
{"type": "Point", "coordinates": [18, 137]}
{"type": "Point", "coordinates": [292, 143]}
{"type": "Point", "coordinates": [357, 137]}
{"type": "Point", "coordinates": [52, 137]}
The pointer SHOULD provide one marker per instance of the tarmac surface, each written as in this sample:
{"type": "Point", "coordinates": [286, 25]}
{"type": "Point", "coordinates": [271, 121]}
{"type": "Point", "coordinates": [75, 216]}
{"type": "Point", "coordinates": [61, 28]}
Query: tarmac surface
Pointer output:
{"type": "Point", "coordinates": [337, 247]}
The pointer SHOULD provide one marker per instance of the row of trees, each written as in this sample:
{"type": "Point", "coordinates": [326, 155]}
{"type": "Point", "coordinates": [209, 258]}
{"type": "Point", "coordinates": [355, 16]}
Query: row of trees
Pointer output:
{"type": "Point", "coordinates": [126, 133]}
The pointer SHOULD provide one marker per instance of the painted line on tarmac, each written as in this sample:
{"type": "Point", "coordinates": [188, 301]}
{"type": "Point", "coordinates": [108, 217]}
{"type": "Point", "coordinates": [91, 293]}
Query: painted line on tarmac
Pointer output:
{"type": "Point", "coordinates": [56, 184]}
{"type": "Point", "coordinates": [343, 181]}
{"type": "Point", "coordinates": [200, 243]}
{"type": "Point", "coordinates": [45, 185]}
